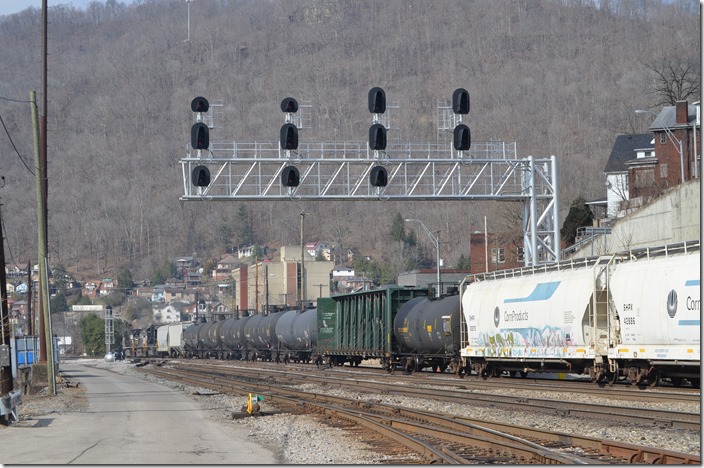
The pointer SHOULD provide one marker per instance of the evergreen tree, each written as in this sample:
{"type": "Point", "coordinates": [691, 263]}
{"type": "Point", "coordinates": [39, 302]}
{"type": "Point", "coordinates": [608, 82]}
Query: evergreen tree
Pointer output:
{"type": "Point", "coordinates": [93, 334]}
{"type": "Point", "coordinates": [579, 215]}
{"type": "Point", "coordinates": [244, 226]}
{"type": "Point", "coordinates": [58, 303]}
{"type": "Point", "coordinates": [463, 263]}
{"type": "Point", "coordinates": [125, 281]}
{"type": "Point", "coordinates": [165, 271]}
{"type": "Point", "coordinates": [398, 229]}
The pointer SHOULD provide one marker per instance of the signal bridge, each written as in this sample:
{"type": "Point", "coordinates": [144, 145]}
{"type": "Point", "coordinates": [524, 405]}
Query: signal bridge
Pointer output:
{"type": "Point", "coordinates": [340, 171]}
{"type": "Point", "coordinates": [377, 170]}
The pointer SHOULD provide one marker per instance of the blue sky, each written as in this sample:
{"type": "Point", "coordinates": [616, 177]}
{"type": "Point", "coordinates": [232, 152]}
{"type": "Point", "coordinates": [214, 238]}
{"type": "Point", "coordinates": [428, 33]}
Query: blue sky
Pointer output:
{"type": "Point", "coordinates": [8, 7]}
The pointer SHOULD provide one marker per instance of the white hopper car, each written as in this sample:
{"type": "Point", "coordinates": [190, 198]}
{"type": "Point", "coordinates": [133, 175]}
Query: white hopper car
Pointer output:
{"type": "Point", "coordinates": [634, 315]}
{"type": "Point", "coordinates": [169, 339]}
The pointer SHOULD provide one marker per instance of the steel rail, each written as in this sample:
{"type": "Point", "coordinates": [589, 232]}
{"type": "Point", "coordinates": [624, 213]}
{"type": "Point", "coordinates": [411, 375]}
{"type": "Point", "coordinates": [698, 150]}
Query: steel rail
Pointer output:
{"type": "Point", "coordinates": [464, 427]}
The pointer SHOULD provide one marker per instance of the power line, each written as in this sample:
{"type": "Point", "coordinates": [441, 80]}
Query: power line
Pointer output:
{"type": "Point", "coordinates": [12, 142]}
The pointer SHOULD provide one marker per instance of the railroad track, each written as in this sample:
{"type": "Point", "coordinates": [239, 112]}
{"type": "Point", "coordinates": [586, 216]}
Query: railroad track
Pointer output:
{"type": "Point", "coordinates": [582, 387]}
{"type": "Point", "coordinates": [612, 413]}
{"type": "Point", "coordinates": [437, 438]}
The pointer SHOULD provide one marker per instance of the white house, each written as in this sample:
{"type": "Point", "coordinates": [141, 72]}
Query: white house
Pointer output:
{"type": "Point", "coordinates": [626, 148]}
{"type": "Point", "coordinates": [166, 314]}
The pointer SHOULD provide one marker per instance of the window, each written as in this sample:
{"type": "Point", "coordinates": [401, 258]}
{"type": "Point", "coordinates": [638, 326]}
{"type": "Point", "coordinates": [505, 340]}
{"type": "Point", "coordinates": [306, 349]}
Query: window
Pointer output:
{"type": "Point", "coordinates": [498, 255]}
{"type": "Point", "coordinates": [663, 138]}
{"type": "Point", "coordinates": [663, 170]}
{"type": "Point", "coordinates": [520, 254]}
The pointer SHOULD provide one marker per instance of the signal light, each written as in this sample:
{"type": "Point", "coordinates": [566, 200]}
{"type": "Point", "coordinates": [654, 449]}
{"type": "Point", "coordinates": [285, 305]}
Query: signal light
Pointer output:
{"type": "Point", "coordinates": [377, 137]}
{"type": "Point", "coordinates": [290, 177]}
{"type": "Point", "coordinates": [377, 100]}
{"type": "Point", "coordinates": [460, 101]}
{"type": "Point", "coordinates": [200, 138]}
{"type": "Point", "coordinates": [462, 137]}
{"type": "Point", "coordinates": [200, 176]}
{"type": "Point", "coordinates": [289, 137]}
{"type": "Point", "coordinates": [289, 105]}
{"type": "Point", "coordinates": [378, 177]}
{"type": "Point", "coordinates": [199, 104]}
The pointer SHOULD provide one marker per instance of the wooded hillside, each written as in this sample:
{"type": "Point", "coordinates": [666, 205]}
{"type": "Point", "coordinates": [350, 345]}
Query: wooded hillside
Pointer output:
{"type": "Point", "coordinates": [557, 77]}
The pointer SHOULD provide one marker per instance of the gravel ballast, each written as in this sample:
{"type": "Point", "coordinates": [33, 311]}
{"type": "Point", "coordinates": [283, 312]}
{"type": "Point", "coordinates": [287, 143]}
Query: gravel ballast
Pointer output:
{"type": "Point", "coordinates": [306, 440]}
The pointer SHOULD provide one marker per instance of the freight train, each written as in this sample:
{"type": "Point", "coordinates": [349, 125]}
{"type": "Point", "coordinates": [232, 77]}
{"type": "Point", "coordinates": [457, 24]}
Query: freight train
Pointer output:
{"type": "Point", "coordinates": [633, 315]}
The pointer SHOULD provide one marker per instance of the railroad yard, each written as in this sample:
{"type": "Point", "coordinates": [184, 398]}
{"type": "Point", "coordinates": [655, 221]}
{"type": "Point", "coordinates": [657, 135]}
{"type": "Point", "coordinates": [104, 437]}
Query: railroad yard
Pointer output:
{"type": "Point", "coordinates": [342, 415]}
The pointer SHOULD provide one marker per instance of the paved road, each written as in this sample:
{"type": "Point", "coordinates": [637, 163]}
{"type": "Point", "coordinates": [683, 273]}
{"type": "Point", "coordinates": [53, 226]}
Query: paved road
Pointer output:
{"type": "Point", "coordinates": [129, 421]}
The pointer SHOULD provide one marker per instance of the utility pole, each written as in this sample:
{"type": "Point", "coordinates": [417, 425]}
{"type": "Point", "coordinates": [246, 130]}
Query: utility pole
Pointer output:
{"type": "Point", "coordinates": [46, 354]}
{"type": "Point", "coordinates": [30, 296]}
{"type": "Point", "coordinates": [320, 290]}
{"type": "Point", "coordinates": [256, 284]}
{"type": "Point", "coordinates": [5, 355]}
{"type": "Point", "coordinates": [302, 289]}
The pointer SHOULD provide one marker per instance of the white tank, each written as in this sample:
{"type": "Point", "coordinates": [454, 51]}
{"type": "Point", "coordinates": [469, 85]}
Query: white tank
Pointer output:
{"type": "Point", "coordinates": [162, 339]}
{"type": "Point", "coordinates": [658, 304]}
{"type": "Point", "coordinates": [535, 316]}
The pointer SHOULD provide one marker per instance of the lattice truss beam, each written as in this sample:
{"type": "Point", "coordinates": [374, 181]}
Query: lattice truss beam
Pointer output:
{"type": "Point", "coordinates": [340, 171]}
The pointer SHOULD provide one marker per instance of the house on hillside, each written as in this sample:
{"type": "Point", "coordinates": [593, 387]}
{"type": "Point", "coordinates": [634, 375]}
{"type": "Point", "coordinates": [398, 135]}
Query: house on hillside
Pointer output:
{"type": "Point", "coordinates": [167, 313]}
{"type": "Point", "coordinates": [315, 248]}
{"type": "Point", "coordinates": [676, 130]}
{"type": "Point", "coordinates": [158, 293]}
{"type": "Point", "coordinates": [223, 270]}
{"type": "Point", "coordinates": [250, 250]}
{"type": "Point", "coordinates": [495, 251]}
{"type": "Point", "coordinates": [91, 289]}
{"type": "Point", "coordinates": [180, 294]}
{"type": "Point", "coordinates": [636, 147]}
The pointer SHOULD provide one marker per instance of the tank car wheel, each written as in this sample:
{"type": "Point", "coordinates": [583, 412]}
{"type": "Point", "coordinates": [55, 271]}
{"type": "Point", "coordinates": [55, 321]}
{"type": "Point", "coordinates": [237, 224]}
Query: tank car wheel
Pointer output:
{"type": "Point", "coordinates": [524, 374]}
{"type": "Point", "coordinates": [512, 374]}
{"type": "Point", "coordinates": [676, 381]}
{"type": "Point", "coordinates": [653, 378]}
{"type": "Point", "coordinates": [612, 377]}
{"type": "Point", "coordinates": [696, 383]}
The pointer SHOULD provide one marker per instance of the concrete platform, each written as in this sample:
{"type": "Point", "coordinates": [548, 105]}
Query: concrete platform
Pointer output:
{"type": "Point", "coordinates": [129, 421]}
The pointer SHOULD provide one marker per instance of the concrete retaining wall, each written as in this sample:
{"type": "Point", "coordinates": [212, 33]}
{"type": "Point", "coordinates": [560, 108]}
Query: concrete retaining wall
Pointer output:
{"type": "Point", "coordinates": [672, 218]}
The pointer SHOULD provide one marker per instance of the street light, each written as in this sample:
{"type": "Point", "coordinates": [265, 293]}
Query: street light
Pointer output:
{"type": "Point", "coordinates": [673, 140]}
{"type": "Point", "coordinates": [436, 243]}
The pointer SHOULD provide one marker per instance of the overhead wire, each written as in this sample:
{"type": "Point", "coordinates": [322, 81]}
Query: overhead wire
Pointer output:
{"type": "Point", "coordinates": [7, 132]}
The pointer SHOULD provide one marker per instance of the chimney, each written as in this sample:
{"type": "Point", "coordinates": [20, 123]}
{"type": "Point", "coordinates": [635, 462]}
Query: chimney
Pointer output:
{"type": "Point", "coordinates": [681, 113]}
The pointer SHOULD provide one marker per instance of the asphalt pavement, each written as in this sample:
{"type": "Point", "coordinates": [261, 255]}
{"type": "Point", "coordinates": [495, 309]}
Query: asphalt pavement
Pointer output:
{"type": "Point", "coordinates": [129, 421]}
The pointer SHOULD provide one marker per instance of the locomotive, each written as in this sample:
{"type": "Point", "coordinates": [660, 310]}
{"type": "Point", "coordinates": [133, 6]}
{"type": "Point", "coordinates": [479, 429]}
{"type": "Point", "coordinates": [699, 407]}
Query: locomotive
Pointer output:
{"type": "Point", "coordinates": [139, 342]}
{"type": "Point", "coordinates": [634, 315]}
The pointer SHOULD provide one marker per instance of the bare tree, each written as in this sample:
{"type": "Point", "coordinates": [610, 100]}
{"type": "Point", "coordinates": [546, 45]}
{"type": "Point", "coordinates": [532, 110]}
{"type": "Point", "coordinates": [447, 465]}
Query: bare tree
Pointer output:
{"type": "Point", "coordinates": [674, 80]}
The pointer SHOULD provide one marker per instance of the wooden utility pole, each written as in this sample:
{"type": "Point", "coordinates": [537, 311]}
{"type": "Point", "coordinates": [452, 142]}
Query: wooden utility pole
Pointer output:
{"type": "Point", "coordinates": [30, 296]}
{"type": "Point", "coordinates": [6, 368]}
{"type": "Point", "coordinates": [46, 355]}
{"type": "Point", "coordinates": [302, 290]}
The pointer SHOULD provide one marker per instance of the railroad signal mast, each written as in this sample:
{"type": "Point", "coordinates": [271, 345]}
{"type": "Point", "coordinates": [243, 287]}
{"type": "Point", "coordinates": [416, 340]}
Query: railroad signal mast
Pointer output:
{"type": "Point", "coordinates": [377, 169]}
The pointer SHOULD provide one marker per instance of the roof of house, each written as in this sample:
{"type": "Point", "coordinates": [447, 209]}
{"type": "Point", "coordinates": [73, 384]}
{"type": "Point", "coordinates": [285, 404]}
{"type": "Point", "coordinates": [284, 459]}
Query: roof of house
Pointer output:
{"type": "Point", "coordinates": [667, 118]}
{"type": "Point", "coordinates": [624, 149]}
{"type": "Point", "coordinates": [228, 260]}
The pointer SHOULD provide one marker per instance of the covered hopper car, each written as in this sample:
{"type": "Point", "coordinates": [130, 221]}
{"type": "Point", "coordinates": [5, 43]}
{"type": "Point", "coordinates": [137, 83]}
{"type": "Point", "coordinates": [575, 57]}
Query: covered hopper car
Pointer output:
{"type": "Point", "coordinates": [634, 315]}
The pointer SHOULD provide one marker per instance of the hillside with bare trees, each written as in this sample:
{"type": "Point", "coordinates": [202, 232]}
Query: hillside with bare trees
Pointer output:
{"type": "Point", "coordinates": [558, 77]}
